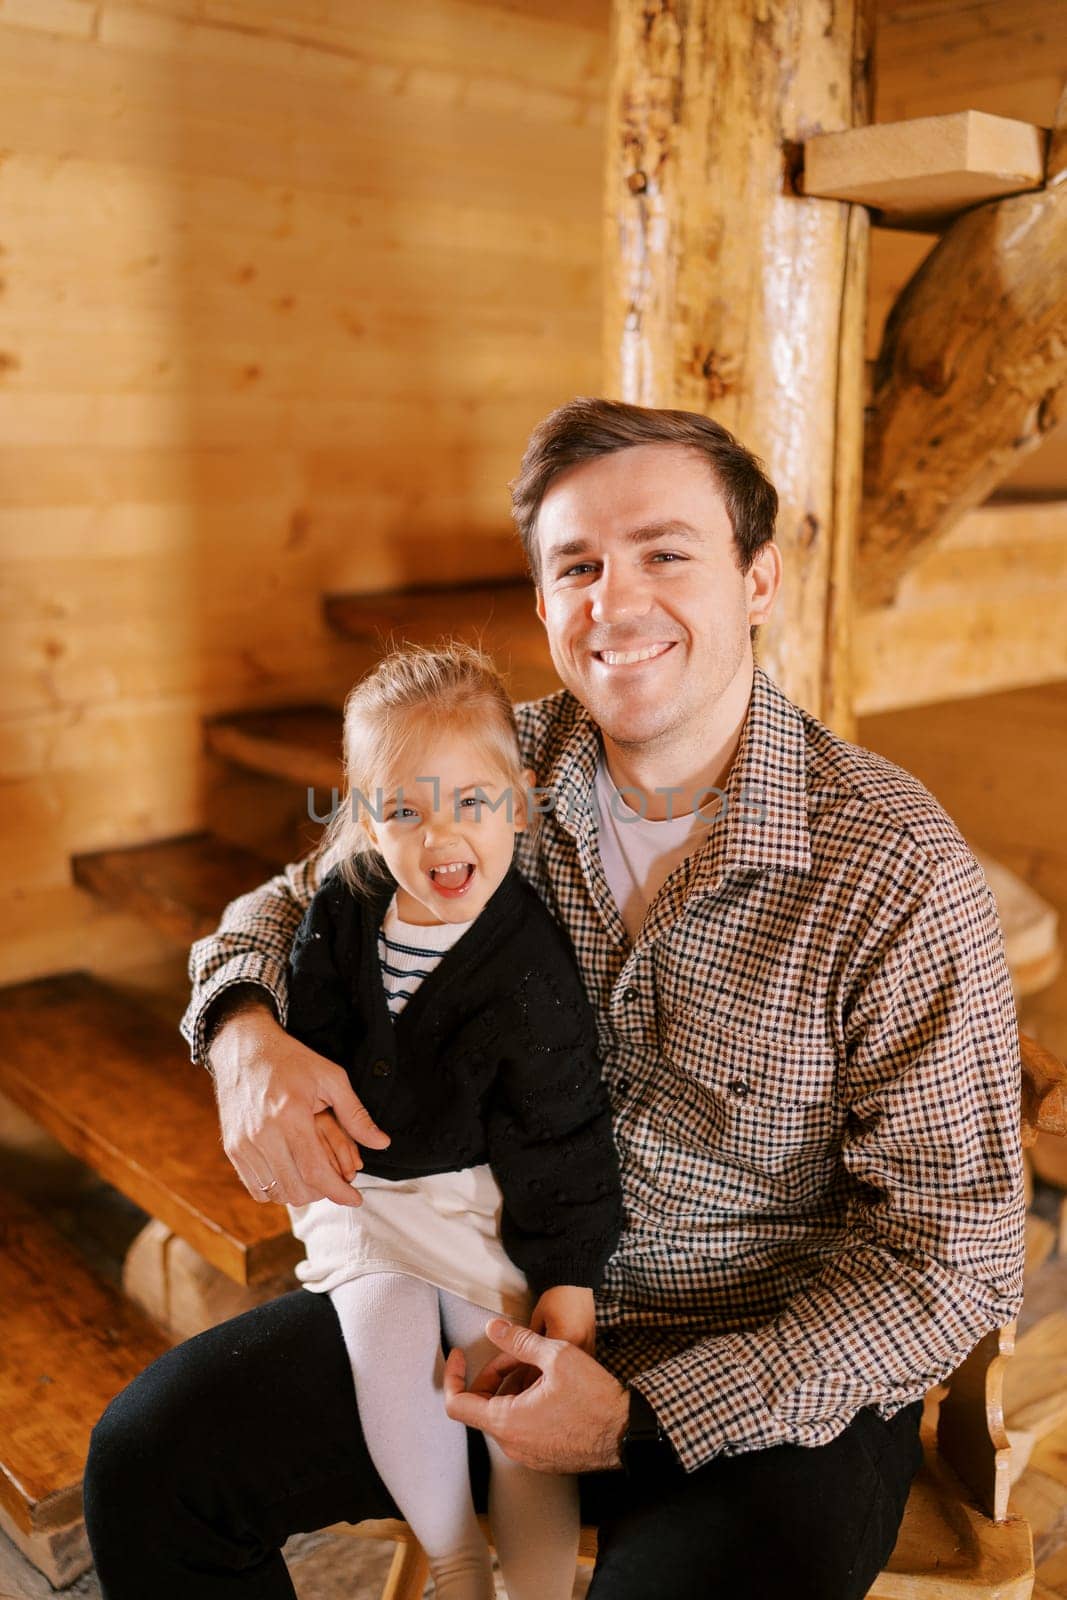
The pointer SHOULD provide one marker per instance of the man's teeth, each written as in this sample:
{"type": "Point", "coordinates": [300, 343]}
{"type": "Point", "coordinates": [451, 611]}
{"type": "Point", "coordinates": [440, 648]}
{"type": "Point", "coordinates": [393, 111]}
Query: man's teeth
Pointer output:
{"type": "Point", "coordinates": [622, 658]}
{"type": "Point", "coordinates": [453, 868]}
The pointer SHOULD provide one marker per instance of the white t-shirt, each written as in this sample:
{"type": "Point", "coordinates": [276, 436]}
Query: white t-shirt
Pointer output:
{"type": "Point", "coordinates": [639, 855]}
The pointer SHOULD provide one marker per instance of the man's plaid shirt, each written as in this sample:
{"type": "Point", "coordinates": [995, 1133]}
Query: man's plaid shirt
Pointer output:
{"type": "Point", "coordinates": [812, 1056]}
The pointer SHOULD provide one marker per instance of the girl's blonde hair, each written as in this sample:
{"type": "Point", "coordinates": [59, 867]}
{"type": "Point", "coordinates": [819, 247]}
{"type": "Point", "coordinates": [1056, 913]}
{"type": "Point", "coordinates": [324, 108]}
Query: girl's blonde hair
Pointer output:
{"type": "Point", "coordinates": [410, 697]}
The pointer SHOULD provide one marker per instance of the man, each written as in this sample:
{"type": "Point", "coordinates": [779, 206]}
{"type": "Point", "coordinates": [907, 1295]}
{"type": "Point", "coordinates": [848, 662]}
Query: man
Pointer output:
{"type": "Point", "coordinates": [809, 1041]}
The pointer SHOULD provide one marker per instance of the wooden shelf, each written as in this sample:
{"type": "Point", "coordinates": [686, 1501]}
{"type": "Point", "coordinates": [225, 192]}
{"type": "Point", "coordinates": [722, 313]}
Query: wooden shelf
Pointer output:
{"type": "Point", "coordinates": [921, 173]}
{"type": "Point", "coordinates": [115, 1086]}
{"type": "Point", "coordinates": [180, 886]}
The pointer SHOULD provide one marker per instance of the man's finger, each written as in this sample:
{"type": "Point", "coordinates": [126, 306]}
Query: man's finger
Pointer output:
{"type": "Point", "coordinates": [515, 1340]}
{"type": "Point", "coordinates": [518, 1380]}
{"type": "Point", "coordinates": [494, 1372]}
{"type": "Point", "coordinates": [337, 1145]}
{"type": "Point", "coordinates": [472, 1409]}
{"type": "Point", "coordinates": [352, 1114]}
{"type": "Point", "coordinates": [316, 1176]}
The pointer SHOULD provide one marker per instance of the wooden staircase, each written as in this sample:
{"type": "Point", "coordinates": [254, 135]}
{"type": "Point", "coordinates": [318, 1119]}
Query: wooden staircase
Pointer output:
{"type": "Point", "coordinates": [109, 1080]}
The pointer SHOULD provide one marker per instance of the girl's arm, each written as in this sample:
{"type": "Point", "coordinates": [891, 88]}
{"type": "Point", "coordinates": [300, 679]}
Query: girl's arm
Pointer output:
{"type": "Point", "coordinates": [549, 1134]}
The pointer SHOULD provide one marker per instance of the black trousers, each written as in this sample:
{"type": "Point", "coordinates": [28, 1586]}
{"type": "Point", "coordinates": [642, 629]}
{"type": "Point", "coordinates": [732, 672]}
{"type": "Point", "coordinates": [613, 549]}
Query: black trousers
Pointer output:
{"type": "Point", "coordinates": [202, 1468]}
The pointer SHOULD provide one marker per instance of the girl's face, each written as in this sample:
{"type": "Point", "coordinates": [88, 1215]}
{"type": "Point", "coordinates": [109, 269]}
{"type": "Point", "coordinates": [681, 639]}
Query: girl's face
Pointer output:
{"type": "Point", "coordinates": [447, 851]}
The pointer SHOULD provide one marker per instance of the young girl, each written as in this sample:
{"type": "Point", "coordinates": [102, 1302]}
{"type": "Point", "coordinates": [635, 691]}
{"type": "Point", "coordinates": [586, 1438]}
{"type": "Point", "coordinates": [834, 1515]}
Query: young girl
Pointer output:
{"type": "Point", "coordinates": [429, 969]}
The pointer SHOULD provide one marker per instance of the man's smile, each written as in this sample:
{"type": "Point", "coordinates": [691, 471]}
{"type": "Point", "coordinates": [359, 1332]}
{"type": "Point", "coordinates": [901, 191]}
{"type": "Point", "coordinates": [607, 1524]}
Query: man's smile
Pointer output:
{"type": "Point", "coordinates": [630, 658]}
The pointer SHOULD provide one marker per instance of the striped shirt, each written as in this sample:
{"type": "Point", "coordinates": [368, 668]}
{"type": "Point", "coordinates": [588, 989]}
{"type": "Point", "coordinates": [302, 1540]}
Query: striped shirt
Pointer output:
{"type": "Point", "coordinates": [408, 953]}
{"type": "Point", "coordinates": [812, 1056]}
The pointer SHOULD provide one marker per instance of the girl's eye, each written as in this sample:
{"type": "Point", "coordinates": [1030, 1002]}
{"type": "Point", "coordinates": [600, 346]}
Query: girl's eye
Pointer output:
{"type": "Point", "coordinates": [471, 800]}
{"type": "Point", "coordinates": [402, 815]}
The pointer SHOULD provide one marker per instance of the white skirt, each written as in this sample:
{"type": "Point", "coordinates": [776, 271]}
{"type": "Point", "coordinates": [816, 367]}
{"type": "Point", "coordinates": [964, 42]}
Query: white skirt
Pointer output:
{"type": "Point", "coordinates": [444, 1228]}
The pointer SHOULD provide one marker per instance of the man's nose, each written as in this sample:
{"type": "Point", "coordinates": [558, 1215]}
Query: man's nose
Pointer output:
{"type": "Point", "coordinates": [619, 592]}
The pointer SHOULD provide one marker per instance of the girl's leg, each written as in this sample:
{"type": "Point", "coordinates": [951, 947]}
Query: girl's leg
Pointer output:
{"type": "Point", "coordinates": [534, 1515]}
{"type": "Point", "coordinates": [392, 1330]}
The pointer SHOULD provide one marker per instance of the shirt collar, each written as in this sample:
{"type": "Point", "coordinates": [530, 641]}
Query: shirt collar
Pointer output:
{"type": "Point", "coordinates": [764, 824]}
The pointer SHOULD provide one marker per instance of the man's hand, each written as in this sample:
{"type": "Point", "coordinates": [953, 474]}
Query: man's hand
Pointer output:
{"type": "Point", "coordinates": [570, 1419]}
{"type": "Point", "coordinates": [269, 1088]}
{"type": "Point", "coordinates": [567, 1312]}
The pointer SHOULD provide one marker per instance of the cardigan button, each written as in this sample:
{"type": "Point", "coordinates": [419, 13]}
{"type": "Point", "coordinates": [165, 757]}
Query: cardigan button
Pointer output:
{"type": "Point", "coordinates": [381, 1068]}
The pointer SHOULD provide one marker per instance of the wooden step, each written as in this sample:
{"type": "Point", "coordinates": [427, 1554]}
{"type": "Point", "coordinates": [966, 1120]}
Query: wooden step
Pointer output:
{"type": "Point", "coordinates": [180, 886]}
{"type": "Point", "coordinates": [921, 173]}
{"type": "Point", "coordinates": [70, 1343]}
{"type": "Point", "coordinates": [499, 615]}
{"type": "Point", "coordinates": [112, 1084]}
{"type": "Point", "coordinates": [301, 744]}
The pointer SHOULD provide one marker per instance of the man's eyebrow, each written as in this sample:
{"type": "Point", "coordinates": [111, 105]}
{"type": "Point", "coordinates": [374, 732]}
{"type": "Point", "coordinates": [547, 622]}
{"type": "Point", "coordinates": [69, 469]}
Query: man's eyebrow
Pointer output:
{"type": "Point", "coordinates": [644, 533]}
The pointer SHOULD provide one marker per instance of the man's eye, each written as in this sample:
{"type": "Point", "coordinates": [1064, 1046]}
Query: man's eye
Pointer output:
{"type": "Point", "coordinates": [667, 555]}
{"type": "Point", "coordinates": [582, 566]}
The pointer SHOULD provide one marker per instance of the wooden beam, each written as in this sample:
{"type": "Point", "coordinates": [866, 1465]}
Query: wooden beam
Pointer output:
{"type": "Point", "coordinates": [972, 374]}
{"type": "Point", "coordinates": [921, 173]}
{"type": "Point", "coordinates": [728, 293]}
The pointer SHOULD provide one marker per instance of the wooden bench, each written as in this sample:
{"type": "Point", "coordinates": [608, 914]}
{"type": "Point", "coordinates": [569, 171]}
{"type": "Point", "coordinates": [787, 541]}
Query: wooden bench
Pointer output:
{"type": "Point", "coordinates": [114, 1084]}
{"type": "Point", "coordinates": [958, 1539]}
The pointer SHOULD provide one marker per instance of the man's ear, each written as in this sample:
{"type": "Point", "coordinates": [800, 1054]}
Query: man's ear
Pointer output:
{"type": "Point", "coordinates": [762, 582]}
{"type": "Point", "coordinates": [540, 603]}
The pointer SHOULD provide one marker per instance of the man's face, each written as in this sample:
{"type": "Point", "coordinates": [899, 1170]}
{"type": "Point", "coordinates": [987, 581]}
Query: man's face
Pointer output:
{"type": "Point", "coordinates": [637, 555]}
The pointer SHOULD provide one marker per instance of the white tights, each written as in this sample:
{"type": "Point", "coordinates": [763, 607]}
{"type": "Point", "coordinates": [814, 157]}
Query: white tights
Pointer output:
{"type": "Point", "coordinates": [392, 1326]}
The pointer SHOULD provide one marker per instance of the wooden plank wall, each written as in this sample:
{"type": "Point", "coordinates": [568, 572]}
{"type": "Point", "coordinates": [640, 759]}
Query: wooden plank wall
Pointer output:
{"type": "Point", "coordinates": [284, 285]}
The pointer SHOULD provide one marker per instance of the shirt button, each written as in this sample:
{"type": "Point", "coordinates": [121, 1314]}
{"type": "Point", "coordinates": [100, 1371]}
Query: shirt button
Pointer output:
{"type": "Point", "coordinates": [739, 1086]}
{"type": "Point", "coordinates": [623, 1086]}
{"type": "Point", "coordinates": [629, 995]}
{"type": "Point", "coordinates": [381, 1068]}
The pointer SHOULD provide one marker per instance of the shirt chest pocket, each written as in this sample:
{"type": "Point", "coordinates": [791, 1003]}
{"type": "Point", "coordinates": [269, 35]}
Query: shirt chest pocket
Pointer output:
{"type": "Point", "coordinates": [747, 1120]}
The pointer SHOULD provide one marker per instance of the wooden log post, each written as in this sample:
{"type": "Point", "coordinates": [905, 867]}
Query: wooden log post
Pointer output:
{"type": "Point", "coordinates": [729, 293]}
{"type": "Point", "coordinates": [972, 373]}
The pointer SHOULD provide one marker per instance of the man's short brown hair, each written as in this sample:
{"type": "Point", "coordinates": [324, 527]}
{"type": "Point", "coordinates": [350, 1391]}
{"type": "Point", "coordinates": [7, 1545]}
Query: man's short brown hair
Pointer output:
{"type": "Point", "coordinates": [586, 428]}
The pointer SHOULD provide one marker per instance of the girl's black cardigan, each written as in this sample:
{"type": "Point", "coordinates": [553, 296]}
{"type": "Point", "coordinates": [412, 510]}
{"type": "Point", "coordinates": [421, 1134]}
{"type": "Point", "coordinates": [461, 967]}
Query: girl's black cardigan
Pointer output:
{"type": "Point", "coordinates": [492, 1059]}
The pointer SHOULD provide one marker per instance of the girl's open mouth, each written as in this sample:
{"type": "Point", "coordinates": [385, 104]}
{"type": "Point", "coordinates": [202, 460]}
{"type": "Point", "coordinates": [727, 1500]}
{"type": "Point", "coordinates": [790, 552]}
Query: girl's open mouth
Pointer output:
{"type": "Point", "coordinates": [452, 879]}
